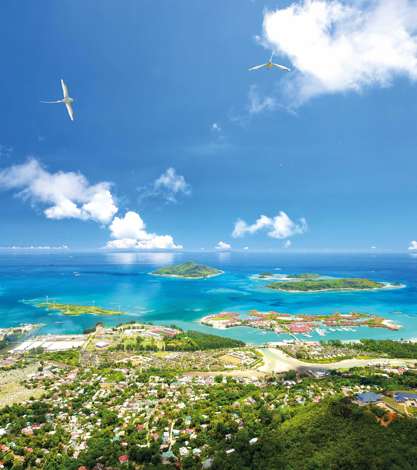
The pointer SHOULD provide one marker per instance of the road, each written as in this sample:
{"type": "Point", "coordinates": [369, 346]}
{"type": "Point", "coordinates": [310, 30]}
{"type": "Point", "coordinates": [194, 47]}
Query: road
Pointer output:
{"type": "Point", "coordinates": [276, 360]}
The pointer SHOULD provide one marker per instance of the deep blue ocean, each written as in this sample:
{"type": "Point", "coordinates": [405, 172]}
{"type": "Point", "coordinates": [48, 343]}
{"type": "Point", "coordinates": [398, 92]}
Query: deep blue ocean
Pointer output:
{"type": "Point", "coordinates": [122, 281]}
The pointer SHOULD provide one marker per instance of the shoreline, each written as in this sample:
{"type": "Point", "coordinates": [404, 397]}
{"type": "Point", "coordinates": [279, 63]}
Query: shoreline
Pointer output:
{"type": "Point", "coordinates": [386, 286]}
{"type": "Point", "coordinates": [177, 276]}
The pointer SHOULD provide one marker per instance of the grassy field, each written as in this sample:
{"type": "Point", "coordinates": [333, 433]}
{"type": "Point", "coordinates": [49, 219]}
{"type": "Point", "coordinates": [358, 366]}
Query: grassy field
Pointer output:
{"type": "Point", "coordinates": [11, 390]}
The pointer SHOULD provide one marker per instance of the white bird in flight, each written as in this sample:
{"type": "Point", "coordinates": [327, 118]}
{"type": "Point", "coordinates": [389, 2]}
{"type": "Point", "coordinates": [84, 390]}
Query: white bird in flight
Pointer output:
{"type": "Point", "coordinates": [67, 100]}
{"type": "Point", "coordinates": [270, 65]}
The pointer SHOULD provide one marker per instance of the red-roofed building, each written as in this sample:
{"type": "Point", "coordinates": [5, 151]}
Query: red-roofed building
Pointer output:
{"type": "Point", "coordinates": [124, 459]}
{"type": "Point", "coordinates": [300, 327]}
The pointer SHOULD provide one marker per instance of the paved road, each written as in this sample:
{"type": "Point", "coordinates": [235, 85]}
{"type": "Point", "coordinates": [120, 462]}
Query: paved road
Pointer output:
{"type": "Point", "coordinates": [276, 360]}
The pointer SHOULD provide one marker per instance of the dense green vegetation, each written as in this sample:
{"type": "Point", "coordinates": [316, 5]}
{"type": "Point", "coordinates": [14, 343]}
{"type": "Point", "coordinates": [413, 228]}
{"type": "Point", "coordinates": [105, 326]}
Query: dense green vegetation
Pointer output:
{"type": "Point", "coordinates": [188, 270]}
{"type": "Point", "coordinates": [335, 434]}
{"type": "Point", "coordinates": [332, 435]}
{"type": "Point", "coordinates": [121, 411]}
{"type": "Point", "coordinates": [74, 310]}
{"type": "Point", "coordinates": [197, 341]}
{"type": "Point", "coordinates": [326, 284]}
{"type": "Point", "coordinates": [383, 347]}
{"type": "Point", "coordinates": [185, 341]}
{"type": "Point", "coordinates": [305, 276]}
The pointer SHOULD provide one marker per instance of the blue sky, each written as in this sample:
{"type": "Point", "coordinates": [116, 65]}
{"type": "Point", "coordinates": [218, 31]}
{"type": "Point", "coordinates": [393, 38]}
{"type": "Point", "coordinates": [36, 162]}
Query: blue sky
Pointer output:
{"type": "Point", "coordinates": [164, 85]}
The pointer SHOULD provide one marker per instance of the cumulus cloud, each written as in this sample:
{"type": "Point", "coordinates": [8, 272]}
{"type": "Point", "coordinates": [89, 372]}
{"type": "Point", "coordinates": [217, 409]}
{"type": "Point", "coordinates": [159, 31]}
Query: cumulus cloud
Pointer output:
{"type": "Point", "coordinates": [215, 127]}
{"type": "Point", "coordinates": [287, 244]}
{"type": "Point", "coordinates": [168, 187]}
{"type": "Point", "coordinates": [129, 232]}
{"type": "Point", "coordinates": [413, 245]}
{"type": "Point", "coordinates": [280, 226]}
{"type": "Point", "coordinates": [223, 246]}
{"type": "Point", "coordinates": [68, 195]}
{"type": "Point", "coordinates": [337, 46]}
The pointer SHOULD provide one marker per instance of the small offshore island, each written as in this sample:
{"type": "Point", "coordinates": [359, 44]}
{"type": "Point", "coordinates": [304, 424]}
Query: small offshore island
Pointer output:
{"type": "Point", "coordinates": [189, 270]}
{"type": "Point", "coordinates": [312, 282]}
{"type": "Point", "coordinates": [75, 310]}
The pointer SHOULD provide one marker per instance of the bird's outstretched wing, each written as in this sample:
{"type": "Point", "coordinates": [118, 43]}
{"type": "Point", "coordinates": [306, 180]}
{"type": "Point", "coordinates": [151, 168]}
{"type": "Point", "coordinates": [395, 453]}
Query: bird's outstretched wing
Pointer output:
{"type": "Point", "coordinates": [282, 67]}
{"type": "Point", "coordinates": [51, 102]}
{"type": "Point", "coordinates": [70, 110]}
{"type": "Point", "coordinates": [257, 67]}
{"type": "Point", "coordinates": [64, 89]}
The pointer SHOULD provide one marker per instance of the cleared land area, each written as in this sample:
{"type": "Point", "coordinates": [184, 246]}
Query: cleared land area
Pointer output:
{"type": "Point", "coordinates": [11, 390]}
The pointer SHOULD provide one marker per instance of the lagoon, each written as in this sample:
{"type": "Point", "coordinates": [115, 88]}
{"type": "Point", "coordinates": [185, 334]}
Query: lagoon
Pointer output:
{"type": "Point", "coordinates": [120, 281]}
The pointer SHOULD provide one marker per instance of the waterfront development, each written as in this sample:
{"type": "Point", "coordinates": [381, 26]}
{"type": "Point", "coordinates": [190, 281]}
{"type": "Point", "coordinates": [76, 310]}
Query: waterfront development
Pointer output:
{"type": "Point", "coordinates": [298, 324]}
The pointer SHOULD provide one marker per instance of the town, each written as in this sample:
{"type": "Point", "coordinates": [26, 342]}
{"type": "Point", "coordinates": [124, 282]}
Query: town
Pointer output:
{"type": "Point", "coordinates": [113, 401]}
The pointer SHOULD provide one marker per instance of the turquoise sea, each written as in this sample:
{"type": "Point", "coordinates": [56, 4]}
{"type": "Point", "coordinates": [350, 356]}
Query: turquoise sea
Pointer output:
{"type": "Point", "coordinates": [122, 281]}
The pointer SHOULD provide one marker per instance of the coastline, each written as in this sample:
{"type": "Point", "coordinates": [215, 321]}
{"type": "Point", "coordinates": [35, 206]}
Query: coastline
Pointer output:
{"type": "Point", "coordinates": [177, 276]}
{"type": "Point", "coordinates": [386, 286]}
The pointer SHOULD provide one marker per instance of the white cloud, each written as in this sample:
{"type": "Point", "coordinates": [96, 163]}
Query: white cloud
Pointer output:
{"type": "Point", "coordinates": [280, 226]}
{"type": "Point", "coordinates": [68, 195]}
{"type": "Point", "coordinates": [129, 226]}
{"type": "Point", "coordinates": [413, 245]}
{"type": "Point", "coordinates": [258, 103]}
{"type": "Point", "coordinates": [287, 244]}
{"type": "Point", "coordinates": [168, 187]}
{"type": "Point", "coordinates": [340, 46]}
{"type": "Point", "coordinates": [129, 232]}
{"type": "Point", "coordinates": [172, 182]}
{"type": "Point", "coordinates": [246, 248]}
{"type": "Point", "coordinates": [223, 246]}
{"type": "Point", "coordinates": [215, 127]}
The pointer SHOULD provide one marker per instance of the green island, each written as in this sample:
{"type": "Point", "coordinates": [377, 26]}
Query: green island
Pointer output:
{"type": "Point", "coordinates": [189, 270]}
{"type": "Point", "coordinates": [320, 285]}
{"type": "Point", "coordinates": [75, 310]}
